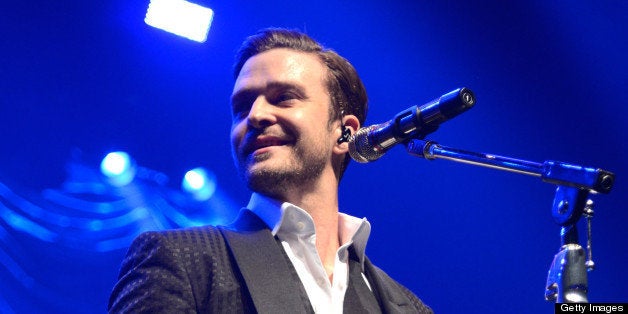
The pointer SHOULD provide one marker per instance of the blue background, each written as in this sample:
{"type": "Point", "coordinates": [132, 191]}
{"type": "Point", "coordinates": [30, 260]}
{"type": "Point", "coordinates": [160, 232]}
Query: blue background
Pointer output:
{"type": "Point", "coordinates": [81, 78]}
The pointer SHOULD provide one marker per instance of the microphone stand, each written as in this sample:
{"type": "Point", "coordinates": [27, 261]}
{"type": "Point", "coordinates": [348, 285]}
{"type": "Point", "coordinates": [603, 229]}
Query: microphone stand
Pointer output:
{"type": "Point", "coordinates": [567, 276]}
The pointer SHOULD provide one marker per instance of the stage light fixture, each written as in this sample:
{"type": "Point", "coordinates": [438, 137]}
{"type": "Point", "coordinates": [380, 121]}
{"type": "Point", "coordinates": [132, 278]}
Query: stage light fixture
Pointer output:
{"type": "Point", "coordinates": [200, 183]}
{"type": "Point", "coordinates": [118, 167]}
{"type": "Point", "coordinates": [180, 17]}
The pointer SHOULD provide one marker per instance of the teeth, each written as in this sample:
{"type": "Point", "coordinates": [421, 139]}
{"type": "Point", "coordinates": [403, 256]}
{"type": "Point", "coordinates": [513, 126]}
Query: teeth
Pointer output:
{"type": "Point", "coordinates": [266, 143]}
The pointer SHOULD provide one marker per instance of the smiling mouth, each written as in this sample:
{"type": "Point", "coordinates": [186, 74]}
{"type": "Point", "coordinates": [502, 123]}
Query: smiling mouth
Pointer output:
{"type": "Point", "coordinates": [264, 142]}
{"type": "Point", "coordinates": [268, 143]}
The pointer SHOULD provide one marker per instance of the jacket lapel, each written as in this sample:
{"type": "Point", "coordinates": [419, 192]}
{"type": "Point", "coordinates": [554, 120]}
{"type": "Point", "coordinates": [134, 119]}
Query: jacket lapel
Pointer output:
{"type": "Point", "coordinates": [390, 298]}
{"type": "Point", "coordinates": [264, 267]}
{"type": "Point", "coordinates": [358, 297]}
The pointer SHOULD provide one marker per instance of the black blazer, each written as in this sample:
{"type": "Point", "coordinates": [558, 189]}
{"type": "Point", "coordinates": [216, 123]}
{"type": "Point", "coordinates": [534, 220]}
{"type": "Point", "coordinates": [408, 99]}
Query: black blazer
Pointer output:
{"type": "Point", "coordinates": [235, 269]}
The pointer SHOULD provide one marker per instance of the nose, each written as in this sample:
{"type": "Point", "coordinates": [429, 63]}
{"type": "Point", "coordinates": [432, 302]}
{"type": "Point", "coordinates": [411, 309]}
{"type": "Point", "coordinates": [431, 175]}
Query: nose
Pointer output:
{"type": "Point", "coordinates": [261, 114]}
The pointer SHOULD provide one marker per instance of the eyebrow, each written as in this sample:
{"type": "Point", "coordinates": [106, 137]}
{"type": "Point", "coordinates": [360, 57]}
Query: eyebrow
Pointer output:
{"type": "Point", "coordinates": [274, 85]}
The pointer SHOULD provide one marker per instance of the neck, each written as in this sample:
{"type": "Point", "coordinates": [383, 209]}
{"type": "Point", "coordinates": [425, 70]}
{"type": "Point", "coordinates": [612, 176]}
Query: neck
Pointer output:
{"type": "Point", "coordinates": [320, 200]}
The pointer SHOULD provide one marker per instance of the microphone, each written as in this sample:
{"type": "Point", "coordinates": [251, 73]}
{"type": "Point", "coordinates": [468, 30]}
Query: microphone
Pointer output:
{"type": "Point", "coordinates": [370, 143]}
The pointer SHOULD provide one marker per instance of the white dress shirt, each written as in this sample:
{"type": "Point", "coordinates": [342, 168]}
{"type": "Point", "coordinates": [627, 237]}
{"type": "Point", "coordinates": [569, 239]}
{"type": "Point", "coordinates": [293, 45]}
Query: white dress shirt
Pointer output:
{"type": "Point", "coordinates": [295, 229]}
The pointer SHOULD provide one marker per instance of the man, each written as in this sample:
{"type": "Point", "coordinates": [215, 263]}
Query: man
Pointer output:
{"type": "Point", "coordinates": [295, 105]}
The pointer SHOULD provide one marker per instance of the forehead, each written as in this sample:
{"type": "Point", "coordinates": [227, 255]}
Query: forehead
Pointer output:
{"type": "Point", "coordinates": [281, 65]}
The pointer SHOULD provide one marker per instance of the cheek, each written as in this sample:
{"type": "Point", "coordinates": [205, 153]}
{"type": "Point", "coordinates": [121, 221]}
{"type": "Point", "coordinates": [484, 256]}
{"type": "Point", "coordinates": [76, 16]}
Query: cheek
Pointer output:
{"type": "Point", "coordinates": [237, 132]}
{"type": "Point", "coordinates": [299, 115]}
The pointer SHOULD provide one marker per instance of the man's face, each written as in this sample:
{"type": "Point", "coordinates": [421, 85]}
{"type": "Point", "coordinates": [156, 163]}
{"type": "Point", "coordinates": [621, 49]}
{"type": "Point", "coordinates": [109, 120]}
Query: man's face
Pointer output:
{"type": "Point", "coordinates": [280, 134]}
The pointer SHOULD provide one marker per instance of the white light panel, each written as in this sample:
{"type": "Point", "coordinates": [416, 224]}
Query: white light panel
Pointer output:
{"type": "Point", "coordinates": [180, 17]}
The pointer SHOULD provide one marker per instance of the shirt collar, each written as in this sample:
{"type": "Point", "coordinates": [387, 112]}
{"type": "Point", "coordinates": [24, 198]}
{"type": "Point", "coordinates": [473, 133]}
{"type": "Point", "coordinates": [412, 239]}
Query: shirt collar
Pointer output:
{"type": "Point", "coordinates": [351, 230]}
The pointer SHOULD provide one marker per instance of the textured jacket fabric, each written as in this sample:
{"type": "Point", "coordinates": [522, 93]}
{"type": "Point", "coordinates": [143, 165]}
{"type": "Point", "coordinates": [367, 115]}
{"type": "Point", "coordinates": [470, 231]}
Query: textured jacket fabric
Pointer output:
{"type": "Point", "coordinates": [194, 270]}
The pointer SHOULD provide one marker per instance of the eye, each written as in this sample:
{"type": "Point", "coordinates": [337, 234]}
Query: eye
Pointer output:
{"type": "Point", "coordinates": [240, 105]}
{"type": "Point", "coordinates": [238, 109]}
{"type": "Point", "coordinates": [286, 98]}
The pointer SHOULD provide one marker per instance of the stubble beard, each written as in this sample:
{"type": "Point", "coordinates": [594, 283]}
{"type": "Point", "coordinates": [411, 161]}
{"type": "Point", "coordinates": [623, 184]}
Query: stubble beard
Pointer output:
{"type": "Point", "coordinates": [297, 172]}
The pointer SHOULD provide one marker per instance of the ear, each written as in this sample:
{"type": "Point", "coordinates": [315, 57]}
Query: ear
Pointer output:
{"type": "Point", "coordinates": [350, 124]}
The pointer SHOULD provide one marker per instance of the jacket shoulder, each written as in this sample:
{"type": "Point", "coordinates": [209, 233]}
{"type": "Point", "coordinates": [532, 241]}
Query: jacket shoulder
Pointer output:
{"type": "Point", "coordinates": [206, 236]}
{"type": "Point", "coordinates": [175, 271]}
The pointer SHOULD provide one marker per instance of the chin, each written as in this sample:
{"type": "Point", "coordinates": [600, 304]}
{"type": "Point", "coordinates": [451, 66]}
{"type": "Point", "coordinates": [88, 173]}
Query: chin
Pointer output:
{"type": "Point", "coordinates": [271, 183]}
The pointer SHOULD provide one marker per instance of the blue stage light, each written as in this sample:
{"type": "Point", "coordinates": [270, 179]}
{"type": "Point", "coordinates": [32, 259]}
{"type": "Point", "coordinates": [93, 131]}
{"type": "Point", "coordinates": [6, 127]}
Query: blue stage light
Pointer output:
{"type": "Point", "coordinates": [180, 17]}
{"type": "Point", "coordinates": [200, 183]}
{"type": "Point", "coordinates": [118, 167]}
